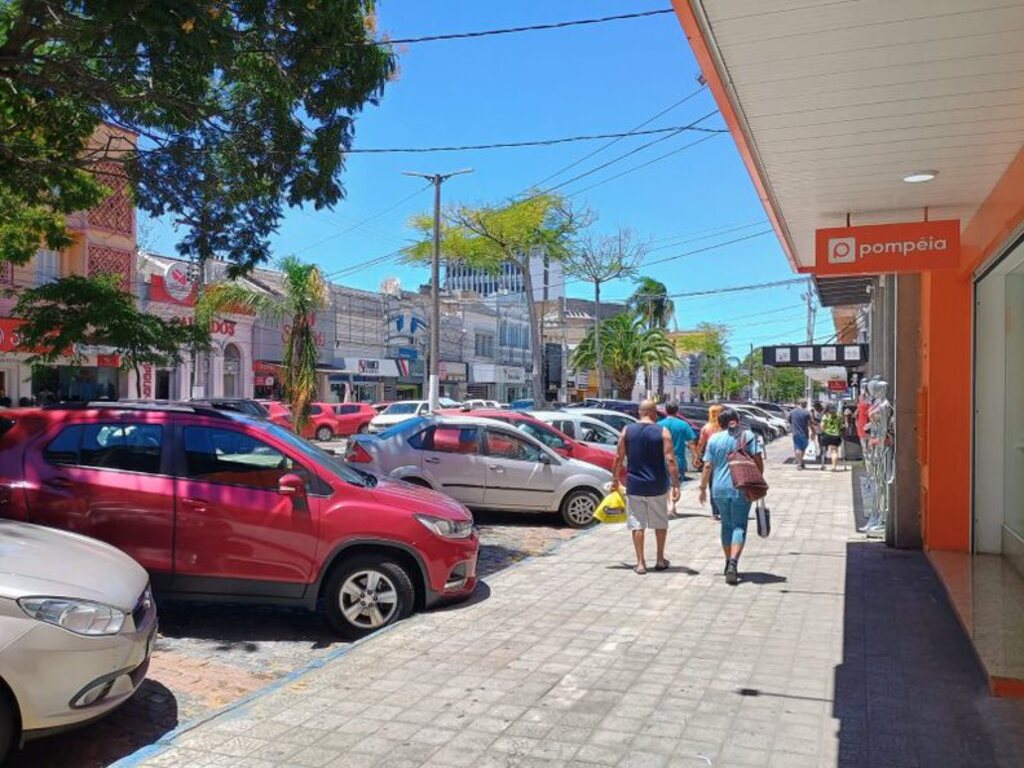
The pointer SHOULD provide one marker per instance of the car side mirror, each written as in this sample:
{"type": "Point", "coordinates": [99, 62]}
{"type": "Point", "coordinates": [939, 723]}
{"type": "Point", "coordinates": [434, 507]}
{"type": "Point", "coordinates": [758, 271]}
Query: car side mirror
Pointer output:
{"type": "Point", "coordinates": [544, 459]}
{"type": "Point", "coordinates": [291, 485]}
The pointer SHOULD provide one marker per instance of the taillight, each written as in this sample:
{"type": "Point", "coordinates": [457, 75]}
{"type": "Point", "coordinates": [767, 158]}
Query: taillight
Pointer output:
{"type": "Point", "coordinates": [358, 455]}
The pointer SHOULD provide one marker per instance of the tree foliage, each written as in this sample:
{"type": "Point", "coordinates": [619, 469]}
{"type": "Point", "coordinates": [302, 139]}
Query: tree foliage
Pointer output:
{"type": "Point", "coordinates": [241, 108]}
{"type": "Point", "coordinates": [487, 236]}
{"type": "Point", "coordinates": [628, 346]}
{"type": "Point", "coordinates": [306, 293]}
{"type": "Point", "coordinates": [709, 342]}
{"type": "Point", "coordinates": [62, 317]}
{"type": "Point", "coordinates": [651, 301]}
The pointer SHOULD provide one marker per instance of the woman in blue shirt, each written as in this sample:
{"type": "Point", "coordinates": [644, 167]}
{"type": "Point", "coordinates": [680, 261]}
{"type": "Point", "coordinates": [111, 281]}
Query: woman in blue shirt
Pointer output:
{"type": "Point", "coordinates": [732, 504]}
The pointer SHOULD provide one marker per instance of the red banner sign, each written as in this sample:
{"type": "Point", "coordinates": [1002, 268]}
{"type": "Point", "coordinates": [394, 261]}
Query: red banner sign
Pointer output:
{"type": "Point", "coordinates": [108, 361]}
{"type": "Point", "coordinates": [878, 249]}
{"type": "Point", "coordinates": [837, 386]}
{"type": "Point", "coordinates": [147, 381]}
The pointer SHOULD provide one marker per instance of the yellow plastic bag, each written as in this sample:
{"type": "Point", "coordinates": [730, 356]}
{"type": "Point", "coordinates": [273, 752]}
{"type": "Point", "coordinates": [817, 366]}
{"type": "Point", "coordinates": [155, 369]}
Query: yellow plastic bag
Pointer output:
{"type": "Point", "coordinates": [612, 508]}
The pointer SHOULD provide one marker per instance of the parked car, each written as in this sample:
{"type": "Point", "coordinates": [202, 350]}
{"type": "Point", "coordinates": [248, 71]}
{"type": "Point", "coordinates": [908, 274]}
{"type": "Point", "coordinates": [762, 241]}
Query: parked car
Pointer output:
{"type": "Point", "coordinates": [617, 420]}
{"type": "Point", "coordinates": [523, 404]}
{"type": "Point", "coordinates": [773, 408]}
{"type": "Point", "coordinates": [474, 404]}
{"type": "Point", "coordinates": [239, 404]}
{"type": "Point", "coordinates": [398, 412]}
{"type": "Point", "coordinates": [586, 429]}
{"type": "Point", "coordinates": [322, 423]}
{"type": "Point", "coordinates": [779, 424]}
{"type": "Point", "coordinates": [381, 406]}
{"type": "Point", "coordinates": [76, 633]}
{"type": "Point", "coordinates": [279, 413]}
{"type": "Point", "coordinates": [217, 505]}
{"type": "Point", "coordinates": [353, 417]}
{"type": "Point", "coordinates": [623, 406]}
{"type": "Point", "coordinates": [484, 464]}
{"type": "Point", "coordinates": [554, 439]}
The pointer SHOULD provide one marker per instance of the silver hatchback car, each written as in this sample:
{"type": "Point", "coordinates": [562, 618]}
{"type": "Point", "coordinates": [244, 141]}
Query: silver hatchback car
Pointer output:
{"type": "Point", "coordinates": [485, 464]}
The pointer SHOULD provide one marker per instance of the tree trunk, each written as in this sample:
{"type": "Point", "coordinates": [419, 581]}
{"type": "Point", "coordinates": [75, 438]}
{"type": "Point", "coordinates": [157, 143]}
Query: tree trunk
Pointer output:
{"type": "Point", "coordinates": [536, 353]}
{"type": "Point", "coordinates": [138, 380]}
{"type": "Point", "coordinates": [597, 339]}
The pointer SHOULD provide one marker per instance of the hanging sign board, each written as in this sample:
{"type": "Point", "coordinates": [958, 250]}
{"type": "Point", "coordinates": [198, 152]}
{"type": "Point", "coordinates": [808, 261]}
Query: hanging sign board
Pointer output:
{"type": "Point", "coordinates": [879, 249]}
{"type": "Point", "coordinates": [815, 355]}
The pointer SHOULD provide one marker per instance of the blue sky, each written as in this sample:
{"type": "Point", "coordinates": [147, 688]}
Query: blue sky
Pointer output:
{"type": "Point", "coordinates": [595, 79]}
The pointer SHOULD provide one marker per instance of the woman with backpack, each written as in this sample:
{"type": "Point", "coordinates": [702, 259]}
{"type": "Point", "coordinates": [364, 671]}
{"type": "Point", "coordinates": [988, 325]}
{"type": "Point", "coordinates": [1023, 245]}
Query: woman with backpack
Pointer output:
{"type": "Point", "coordinates": [732, 503]}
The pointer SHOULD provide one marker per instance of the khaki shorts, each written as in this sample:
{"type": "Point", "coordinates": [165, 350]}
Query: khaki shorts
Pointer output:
{"type": "Point", "coordinates": [647, 512]}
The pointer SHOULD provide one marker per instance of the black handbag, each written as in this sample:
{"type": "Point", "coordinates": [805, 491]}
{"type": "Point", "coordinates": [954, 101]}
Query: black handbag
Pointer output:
{"type": "Point", "coordinates": [764, 519]}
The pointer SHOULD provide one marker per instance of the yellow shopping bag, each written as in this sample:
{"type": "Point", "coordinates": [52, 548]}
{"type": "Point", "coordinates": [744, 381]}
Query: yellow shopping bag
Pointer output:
{"type": "Point", "coordinates": [612, 509]}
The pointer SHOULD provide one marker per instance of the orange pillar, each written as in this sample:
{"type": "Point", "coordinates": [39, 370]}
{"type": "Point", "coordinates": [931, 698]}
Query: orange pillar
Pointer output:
{"type": "Point", "coordinates": [945, 412]}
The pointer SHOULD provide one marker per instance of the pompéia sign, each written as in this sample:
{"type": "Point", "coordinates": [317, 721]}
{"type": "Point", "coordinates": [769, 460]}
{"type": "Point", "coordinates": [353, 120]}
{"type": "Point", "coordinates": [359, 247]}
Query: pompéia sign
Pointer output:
{"type": "Point", "coordinates": [877, 249]}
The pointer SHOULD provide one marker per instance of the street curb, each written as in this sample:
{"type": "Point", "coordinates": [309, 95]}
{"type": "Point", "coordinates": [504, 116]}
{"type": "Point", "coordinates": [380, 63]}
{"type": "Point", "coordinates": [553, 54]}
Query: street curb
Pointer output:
{"type": "Point", "coordinates": [167, 740]}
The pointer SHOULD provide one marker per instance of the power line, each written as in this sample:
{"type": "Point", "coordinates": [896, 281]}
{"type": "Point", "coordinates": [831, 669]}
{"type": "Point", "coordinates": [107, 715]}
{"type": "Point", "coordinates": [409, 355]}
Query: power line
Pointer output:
{"type": "Point", "coordinates": [632, 132]}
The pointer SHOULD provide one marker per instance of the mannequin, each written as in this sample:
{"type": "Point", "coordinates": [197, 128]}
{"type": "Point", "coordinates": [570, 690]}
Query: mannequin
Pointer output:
{"type": "Point", "coordinates": [881, 459]}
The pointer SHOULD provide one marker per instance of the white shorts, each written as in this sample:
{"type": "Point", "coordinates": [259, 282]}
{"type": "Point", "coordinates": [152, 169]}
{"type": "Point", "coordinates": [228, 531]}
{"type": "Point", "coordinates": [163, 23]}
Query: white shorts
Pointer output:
{"type": "Point", "coordinates": [647, 512]}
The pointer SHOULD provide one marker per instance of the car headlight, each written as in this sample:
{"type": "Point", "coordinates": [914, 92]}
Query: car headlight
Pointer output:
{"type": "Point", "coordinates": [447, 529]}
{"type": "Point", "coordinates": [83, 617]}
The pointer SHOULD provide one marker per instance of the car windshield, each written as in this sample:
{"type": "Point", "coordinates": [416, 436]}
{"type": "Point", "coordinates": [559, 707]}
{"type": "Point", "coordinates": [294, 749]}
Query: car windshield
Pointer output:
{"type": "Point", "coordinates": [399, 409]}
{"type": "Point", "coordinates": [322, 458]}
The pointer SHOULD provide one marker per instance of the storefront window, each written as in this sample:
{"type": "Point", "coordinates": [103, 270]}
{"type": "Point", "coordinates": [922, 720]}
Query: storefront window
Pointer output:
{"type": "Point", "coordinates": [1013, 448]}
{"type": "Point", "coordinates": [66, 383]}
{"type": "Point", "coordinates": [232, 371]}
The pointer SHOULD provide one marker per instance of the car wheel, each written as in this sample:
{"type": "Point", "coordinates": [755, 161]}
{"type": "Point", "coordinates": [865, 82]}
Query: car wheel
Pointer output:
{"type": "Point", "coordinates": [366, 594]}
{"type": "Point", "coordinates": [8, 725]}
{"type": "Point", "coordinates": [578, 508]}
{"type": "Point", "coordinates": [323, 434]}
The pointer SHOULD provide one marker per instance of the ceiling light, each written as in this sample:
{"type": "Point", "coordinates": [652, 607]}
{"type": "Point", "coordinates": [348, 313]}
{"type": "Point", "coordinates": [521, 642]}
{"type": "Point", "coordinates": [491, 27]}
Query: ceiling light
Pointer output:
{"type": "Point", "coordinates": [920, 176]}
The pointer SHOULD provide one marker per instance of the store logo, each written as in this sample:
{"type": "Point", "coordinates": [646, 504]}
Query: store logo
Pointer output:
{"type": "Point", "coordinates": [177, 282]}
{"type": "Point", "coordinates": [371, 367]}
{"type": "Point", "coordinates": [842, 250]}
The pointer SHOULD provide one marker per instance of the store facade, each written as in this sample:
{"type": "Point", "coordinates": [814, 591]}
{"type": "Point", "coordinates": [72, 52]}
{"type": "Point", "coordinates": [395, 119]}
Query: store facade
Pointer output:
{"type": "Point", "coordinates": [882, 119]}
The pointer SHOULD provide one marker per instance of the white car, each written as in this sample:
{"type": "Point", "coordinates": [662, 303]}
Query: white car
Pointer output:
{"type": "Point", "coordinates": [404, 410]}
{"type": "Point", "coordinates": [581, 427]}
{"type": "Point", "coordinates": [77, 622]}
{"type": "Point", "coordinates": [774, 421]}
{"type": "Point", "coordinates": [485, 464]}
{"type": "Point", "coordinates": [617, 420]}
{"type": "Point", "coordinates": [477, 404]}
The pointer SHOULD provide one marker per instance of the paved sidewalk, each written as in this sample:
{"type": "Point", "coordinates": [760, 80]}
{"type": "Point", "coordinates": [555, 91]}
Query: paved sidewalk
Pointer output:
{"type": "Point", "coordinates": [831, 651]}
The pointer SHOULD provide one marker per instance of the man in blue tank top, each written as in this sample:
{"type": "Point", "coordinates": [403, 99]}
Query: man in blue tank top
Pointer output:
{"type": "Point", "coordinates": [646, 450]}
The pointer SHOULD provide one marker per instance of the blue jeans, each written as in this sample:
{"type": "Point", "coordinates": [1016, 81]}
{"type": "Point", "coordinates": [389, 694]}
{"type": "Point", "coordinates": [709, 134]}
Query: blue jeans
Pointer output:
{"type": "Point", "coordinates": [735, 512]}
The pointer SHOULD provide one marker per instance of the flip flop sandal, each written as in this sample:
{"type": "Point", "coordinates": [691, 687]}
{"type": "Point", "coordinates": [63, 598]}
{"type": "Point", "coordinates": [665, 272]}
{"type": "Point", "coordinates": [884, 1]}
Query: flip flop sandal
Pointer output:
{"type": "Point", "coordinates": [662, 566]}
{"type": "Point", "coordinates": [639, 570]}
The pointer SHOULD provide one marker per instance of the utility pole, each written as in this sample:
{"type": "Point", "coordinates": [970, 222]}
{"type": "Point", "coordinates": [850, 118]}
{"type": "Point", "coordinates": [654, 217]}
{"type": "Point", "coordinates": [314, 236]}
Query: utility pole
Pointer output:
{"type": "Point", "coordinates": [433, 386]}
{"type": "Point", "coordinates": [810, 339]}
{"type": "Point", "coordinates": [563, 391]}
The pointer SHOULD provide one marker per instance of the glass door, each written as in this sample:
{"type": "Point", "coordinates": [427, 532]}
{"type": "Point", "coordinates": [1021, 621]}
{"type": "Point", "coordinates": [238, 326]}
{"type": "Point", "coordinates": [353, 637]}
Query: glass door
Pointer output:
{"type": "Point", "coordinates": [1013, 448]}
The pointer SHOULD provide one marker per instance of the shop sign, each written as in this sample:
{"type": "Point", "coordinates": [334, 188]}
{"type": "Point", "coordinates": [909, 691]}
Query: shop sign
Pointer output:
{"type": "Point", "coordinates": [512, 375]}
{"type": "Point", "coordinates": [814, 355]}
{"type": "Point", "coordinates": [147, 381]}
{"type": "Point", "coordinates": [369, 367]}
{"type": "Point", "coordinates": [319, 337]}
{"type": "Point", "coordinates": [108, 361]}
{"type": "Point", "coordinates": [218, 327]}
{"type": "Point", "coordinates": [264, 381]}
{"type": "Point", "coordinates": [878, 249]}
{"type": "Point", "coordinates": [853, 379]}
{"type": "Point", "coordinates": [178, 282]}
{"type": "Point", "coordinates": [836, 385]}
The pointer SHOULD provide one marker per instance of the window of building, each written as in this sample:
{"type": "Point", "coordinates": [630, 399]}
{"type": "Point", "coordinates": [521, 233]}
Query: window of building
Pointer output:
{"type": "Point", "coordinates": [484, 346]}
{"type": "Point", "coordinates": [47, 266]}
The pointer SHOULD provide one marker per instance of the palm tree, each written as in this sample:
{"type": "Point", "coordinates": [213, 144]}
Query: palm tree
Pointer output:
{"type": "Point", "coordinates": [627, 346]}
{"type": "Point", "coordinates": [651, 301]}
{"type": "Point", "coordinates": [305, 294]}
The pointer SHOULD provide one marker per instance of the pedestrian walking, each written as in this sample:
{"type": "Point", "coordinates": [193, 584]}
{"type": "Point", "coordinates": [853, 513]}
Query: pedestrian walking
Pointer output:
{"type": "Point", "coordinates": [831, 436]}
{"type": "Point", "coordinates": [646, 450]}
{"type": "Point", "coordinates": [800, 421]}
{"type": "Point", "coordinates": [683, 439]}
{"type": "Point", "coordinates": [710, 428]}
{"type": "Point", "coordinates": [733, 505]}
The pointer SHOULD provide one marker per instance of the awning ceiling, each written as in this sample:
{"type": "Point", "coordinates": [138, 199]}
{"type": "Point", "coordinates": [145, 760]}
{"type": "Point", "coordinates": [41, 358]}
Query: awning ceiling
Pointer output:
{"type": "Point", "coordinates": [843, 291]}
{"type": "Point", "coordinates": [838, 100]}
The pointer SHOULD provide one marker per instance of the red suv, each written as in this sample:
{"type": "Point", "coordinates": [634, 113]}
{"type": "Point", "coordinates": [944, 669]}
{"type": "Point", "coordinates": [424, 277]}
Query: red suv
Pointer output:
{"type": "Point", "coordinates": [220, 506]}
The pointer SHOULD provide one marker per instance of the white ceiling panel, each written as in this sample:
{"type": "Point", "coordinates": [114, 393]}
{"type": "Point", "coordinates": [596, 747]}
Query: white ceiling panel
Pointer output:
{"type": "Point", "coordinates": [842, 98]}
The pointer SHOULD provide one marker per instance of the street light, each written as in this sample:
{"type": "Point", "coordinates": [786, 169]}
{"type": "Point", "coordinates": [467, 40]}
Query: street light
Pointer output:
{"type": "Point", "coordinates": [433, 386]}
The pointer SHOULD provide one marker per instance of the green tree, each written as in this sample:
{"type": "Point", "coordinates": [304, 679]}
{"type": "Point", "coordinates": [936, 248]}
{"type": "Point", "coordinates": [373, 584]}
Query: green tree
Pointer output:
{"type": "Point", "coordinates": [489, 236]}
{"type": "Point", "coordinates": [305, 294]}
{"type": "Point", "coordinates": [709, 341]}
{"type": "Point", "coordinates": [651, 301]}
{"type": "Point", "coordinates": [788, 384]}
{"type": "Point", "coordinates": [241, 108]}
{"type": "Point", "coordinates": [599, 260]}
{"type": "Point", "coordinates": [629, 345]}
{"type": "Point", "coordinates": [62, 317]}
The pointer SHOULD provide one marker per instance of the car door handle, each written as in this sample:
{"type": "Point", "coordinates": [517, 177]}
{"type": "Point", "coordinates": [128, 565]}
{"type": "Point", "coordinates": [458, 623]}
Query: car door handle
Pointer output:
{"type": "Point", "coordinates": [431, 460]}
{"type": "Point", "coordinates": [199, 505]}
{"type": "Point", "coordinates": [496, 468]}
{"type": "Point", "coordinates": [57, 482]}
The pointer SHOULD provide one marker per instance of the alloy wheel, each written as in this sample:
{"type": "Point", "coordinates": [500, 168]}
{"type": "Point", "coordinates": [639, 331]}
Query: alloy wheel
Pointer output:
{"type": "Point", "coordinates": [368, 599]}
{"type": "Point", "coordinates": [580, 508]}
